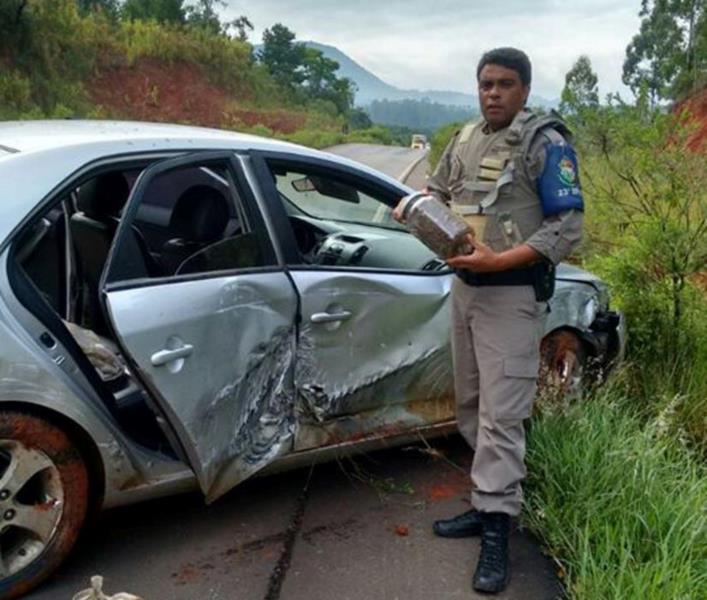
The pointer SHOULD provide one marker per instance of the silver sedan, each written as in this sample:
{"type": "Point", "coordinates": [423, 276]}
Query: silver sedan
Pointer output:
{"type": "Point", "coordinates": [184, 307]}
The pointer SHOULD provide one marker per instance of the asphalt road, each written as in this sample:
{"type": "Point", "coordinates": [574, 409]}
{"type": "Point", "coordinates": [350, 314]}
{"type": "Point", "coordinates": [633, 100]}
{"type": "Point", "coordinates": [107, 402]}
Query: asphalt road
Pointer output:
{"type": "Point", "coordinates": [404, 164]}
{"type": "Point", "coordinates": [354, 529]}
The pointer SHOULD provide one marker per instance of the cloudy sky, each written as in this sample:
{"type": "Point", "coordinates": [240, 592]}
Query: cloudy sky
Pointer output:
{"type": "Point", "coordinates": [435, 44]}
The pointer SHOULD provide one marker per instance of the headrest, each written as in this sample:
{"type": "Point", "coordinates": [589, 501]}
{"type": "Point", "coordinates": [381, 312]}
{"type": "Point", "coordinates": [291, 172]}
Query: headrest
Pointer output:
{"type": "Point", "coordinates": [103, 196]}
{"type": "Point", "coordinates": [200, 214]}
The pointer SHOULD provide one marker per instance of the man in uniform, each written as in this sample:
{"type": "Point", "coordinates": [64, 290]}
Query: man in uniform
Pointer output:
{"type": "Point", "coordinates": [513, 176]}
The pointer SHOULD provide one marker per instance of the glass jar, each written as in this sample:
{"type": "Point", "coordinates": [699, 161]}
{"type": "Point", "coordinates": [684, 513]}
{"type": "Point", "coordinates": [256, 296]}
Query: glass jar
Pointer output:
{"type": "Point", "coordinates": [435, 225]}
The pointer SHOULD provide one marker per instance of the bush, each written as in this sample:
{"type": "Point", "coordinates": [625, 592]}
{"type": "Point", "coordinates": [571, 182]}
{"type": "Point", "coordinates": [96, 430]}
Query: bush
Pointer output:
{"type": "Point", "coordinates": [647, 229]}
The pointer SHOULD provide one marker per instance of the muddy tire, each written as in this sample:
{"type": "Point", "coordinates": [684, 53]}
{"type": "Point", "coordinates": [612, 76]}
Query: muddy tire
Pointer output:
{"type": "Point", "coordinates": [563, 370]}
{"type": "Point", "coordinates": [44, 496]}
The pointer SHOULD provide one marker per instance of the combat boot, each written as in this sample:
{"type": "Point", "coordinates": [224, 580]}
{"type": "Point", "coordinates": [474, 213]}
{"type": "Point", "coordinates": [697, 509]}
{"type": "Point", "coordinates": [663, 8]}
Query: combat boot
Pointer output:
{"type": "Point", "coordinates": [464, 525]}
{"type": "Point", "coordinates": [493, 571]}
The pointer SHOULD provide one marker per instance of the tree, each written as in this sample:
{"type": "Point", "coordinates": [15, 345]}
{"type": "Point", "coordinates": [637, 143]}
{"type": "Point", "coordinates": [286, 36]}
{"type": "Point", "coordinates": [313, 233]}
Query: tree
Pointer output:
{"type": "Point", "coordinates": [242, 25]}
{"type": "Point", "coordinates": [164, 11]}
{"type": "Point", "coordinates": [202, 15]}
{"type": "Point", "coordinates": [580, 92]}
{"type": "Point", "coordinates": [109, 7]}
{"type": "Point", "coordinates": [668, 56]}
{"type": "Point", "coordinates": [282, 56]}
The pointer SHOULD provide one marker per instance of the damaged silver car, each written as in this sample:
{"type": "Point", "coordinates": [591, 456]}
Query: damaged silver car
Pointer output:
{"type": "Point", "coordinates": [183, 308]}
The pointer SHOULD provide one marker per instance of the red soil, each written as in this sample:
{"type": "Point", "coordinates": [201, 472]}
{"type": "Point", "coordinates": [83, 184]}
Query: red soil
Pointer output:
{"type": "Point", "coordinates": [696, 106]}
{"type": "Point", "coordinates": [152, 90]}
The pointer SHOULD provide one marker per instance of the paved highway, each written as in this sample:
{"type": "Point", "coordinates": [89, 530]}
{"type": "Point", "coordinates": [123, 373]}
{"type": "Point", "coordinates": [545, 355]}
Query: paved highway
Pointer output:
{"type": "Point", "coordinates": [404, 164]}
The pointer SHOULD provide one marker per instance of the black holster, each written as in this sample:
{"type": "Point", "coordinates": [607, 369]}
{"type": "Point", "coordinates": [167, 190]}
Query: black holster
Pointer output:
{"type": "Point", "coordinates": [543, 280]}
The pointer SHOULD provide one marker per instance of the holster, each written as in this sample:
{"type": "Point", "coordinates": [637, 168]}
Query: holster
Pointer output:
{"type": "Point", "coordinates": [544, 280]}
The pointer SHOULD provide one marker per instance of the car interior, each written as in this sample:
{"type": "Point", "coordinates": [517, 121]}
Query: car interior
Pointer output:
{"type": "Point", "coordinates": [339, 223]}
{"type": "Point", "coordinates": [190, 221]}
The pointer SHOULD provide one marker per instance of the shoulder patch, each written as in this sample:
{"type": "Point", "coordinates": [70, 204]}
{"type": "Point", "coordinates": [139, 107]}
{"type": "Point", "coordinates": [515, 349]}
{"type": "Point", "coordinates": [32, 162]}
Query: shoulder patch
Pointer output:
{"type": "Point", "coordinates": [558, 185]}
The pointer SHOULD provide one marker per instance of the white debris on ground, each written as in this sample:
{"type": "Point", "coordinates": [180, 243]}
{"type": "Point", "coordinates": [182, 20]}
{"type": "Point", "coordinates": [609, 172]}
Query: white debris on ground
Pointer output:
{"type": "Point", "coordinates": [95, 592]}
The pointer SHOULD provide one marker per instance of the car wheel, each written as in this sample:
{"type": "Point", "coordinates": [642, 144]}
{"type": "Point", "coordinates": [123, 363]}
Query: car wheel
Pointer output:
{"type": "Point", "coordinates": [563, 370]}
{"type": "Point", "coordinates": [43, 500]}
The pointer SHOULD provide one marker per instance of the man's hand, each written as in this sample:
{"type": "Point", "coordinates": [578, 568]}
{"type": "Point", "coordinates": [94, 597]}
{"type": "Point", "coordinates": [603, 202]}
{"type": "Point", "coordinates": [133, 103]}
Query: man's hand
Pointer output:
{"type": "Point", "coordinates": [484, 260]}
{"type": "Point", "coordinates": [481, 260]}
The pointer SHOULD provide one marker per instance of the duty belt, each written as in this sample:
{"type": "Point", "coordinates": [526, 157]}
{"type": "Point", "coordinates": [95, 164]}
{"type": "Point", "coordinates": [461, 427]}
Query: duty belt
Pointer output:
{"type": "Point", "coordinates": [524, 276]}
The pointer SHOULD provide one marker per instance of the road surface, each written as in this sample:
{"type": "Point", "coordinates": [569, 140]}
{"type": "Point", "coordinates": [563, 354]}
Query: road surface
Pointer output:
{"type": "Point", "coordinates": [404, 164]}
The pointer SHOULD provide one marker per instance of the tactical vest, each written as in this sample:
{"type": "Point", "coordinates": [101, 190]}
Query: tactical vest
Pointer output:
{"type": "Point", "coordinates": [489, 181]}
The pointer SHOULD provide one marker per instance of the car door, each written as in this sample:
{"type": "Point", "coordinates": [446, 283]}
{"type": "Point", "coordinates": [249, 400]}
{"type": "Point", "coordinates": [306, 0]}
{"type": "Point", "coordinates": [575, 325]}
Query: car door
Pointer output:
{"type": "Point", "coordinates": [373, 352]}
{"type": "Point", "coordinates": [206, 315]}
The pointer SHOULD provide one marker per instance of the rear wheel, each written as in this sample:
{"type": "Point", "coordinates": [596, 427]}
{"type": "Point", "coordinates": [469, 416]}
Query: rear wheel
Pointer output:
{"type": "Point", "coordinates": [564, 364]}
{"type": "Point", "coordinates": [43, 500]}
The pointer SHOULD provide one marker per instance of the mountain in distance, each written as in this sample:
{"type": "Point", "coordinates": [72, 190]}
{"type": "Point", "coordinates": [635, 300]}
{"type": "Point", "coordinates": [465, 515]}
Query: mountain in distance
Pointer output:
{"type": "Point", "coordinates": [371, 87]}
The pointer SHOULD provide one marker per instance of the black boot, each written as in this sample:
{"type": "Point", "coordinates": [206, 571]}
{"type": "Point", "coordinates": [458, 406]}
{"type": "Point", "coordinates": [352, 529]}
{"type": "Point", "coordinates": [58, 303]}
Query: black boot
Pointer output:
{"type": "Point", "coordinates": [493, 571]}
{"type": "Point", "coordinates": [464, 525]}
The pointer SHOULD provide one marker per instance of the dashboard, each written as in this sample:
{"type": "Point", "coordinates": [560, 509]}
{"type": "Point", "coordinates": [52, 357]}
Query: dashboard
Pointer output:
{"type": "Point", "coordinates": [341, 243]}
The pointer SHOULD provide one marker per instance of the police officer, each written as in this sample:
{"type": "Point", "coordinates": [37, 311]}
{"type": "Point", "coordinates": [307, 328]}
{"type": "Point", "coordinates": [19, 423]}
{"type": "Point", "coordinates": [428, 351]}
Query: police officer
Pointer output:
{"type": "Point", "coordinates": [513, 176]}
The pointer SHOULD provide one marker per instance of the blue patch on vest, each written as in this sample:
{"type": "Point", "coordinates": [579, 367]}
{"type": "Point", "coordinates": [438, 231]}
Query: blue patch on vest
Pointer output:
{"type": "Point", "coordinates": [558, 184]}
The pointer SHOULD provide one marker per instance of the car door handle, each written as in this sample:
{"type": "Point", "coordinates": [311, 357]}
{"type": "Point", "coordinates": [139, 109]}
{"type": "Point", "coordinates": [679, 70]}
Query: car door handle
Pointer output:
{"type": "Point", "coordinates": [166, 356]}
{"type": "Point", "coordinates": [326, 317]}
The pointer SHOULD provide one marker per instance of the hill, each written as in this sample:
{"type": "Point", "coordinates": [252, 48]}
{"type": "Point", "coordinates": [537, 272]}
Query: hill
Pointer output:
{"type": "Point", "coordinates": [372, 87]}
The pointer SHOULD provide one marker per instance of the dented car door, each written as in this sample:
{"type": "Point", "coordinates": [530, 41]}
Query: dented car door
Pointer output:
{"type": "Point", "coordinates": [206, 315]}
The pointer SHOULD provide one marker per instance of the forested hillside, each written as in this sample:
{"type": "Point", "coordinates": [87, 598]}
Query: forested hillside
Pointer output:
{"type": "Point", "coordinates": [169, 60]}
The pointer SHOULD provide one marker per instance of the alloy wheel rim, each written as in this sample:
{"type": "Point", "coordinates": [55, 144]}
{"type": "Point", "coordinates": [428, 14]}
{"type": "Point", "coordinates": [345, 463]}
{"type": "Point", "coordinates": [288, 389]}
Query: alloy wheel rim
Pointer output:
{"type": "Point", "coordinates": [31, 505]}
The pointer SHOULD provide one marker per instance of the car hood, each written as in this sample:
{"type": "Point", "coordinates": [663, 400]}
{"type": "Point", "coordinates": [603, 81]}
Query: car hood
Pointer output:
{"type": "Point", "coordinates": [567, 272]}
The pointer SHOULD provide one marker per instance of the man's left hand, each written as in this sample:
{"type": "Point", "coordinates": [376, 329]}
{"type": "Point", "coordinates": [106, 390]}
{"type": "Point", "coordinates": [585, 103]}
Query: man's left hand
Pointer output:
{"type": "Point", "coordinates": [482, 260]}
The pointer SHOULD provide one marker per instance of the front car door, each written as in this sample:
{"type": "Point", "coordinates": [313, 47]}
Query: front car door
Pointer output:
{"type": "Point", "coordinates": [198, 301]}
{"type": "Point", "coordinates": [373, 353]}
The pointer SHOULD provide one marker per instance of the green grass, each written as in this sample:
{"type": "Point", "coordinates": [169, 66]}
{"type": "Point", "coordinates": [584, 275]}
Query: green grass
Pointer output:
{"type": "Point", "coordinates": [618, 501]}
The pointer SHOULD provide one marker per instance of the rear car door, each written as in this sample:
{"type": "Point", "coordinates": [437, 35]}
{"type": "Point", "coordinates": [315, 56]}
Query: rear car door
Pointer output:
{"type": "Point", "coordinates": [373, 352]}
{"type": "Point", "coordinates": [198, 301]}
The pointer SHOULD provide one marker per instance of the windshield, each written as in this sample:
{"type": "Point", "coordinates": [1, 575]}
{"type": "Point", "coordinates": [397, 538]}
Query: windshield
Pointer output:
{"type": "Point", "coordinates": [349, 204]}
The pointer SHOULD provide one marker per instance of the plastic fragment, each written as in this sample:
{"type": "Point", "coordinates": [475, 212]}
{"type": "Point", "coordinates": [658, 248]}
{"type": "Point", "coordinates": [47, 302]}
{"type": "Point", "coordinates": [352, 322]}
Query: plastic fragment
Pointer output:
{"type": "Point", "coordinates": [95, 592]}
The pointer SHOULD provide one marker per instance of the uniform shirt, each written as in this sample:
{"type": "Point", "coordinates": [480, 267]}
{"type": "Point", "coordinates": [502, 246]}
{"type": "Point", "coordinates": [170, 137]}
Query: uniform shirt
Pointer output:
{"type": "Point", "coordinates": [556, 182]}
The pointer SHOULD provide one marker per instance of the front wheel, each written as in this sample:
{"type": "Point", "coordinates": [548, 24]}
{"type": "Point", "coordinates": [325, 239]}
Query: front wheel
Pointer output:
{"type": "Point", "coordinates": [563, 371]}
{"type": "Point", "coordinates": [44, 496]}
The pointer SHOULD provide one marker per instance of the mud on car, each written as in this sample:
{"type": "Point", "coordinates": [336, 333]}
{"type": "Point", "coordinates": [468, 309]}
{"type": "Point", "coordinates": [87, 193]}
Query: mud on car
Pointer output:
{"type": "Point", "coordinates": [182, 308]}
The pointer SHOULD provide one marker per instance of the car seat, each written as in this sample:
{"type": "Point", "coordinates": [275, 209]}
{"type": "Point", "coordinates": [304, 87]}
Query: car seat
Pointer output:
{"type": "Point", "coordinates": [99, 204]}
{"type": "Point", "coordinates": [199, 218]}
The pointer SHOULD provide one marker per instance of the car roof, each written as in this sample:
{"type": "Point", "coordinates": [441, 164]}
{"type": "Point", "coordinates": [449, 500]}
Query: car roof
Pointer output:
{"type": "Point", "coordinates": [31, 136]}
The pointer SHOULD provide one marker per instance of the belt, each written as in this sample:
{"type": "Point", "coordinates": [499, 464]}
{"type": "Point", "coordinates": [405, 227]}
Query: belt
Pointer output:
{"type": "Point", "coordinates": [525, 276]}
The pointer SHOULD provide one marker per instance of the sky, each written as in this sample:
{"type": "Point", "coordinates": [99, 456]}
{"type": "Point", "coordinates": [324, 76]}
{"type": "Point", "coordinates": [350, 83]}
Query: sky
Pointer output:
{"type": "Point", "coordinates": [423, 44]}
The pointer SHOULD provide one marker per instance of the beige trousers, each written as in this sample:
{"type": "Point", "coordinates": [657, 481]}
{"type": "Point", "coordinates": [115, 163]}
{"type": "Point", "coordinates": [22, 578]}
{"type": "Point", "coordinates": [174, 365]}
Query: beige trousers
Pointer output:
{"type": "Point", "coordinates": [496, 333]}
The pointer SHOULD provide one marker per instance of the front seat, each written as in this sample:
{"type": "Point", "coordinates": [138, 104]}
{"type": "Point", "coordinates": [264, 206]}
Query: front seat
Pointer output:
{"type": "Point", "coordinates": [99, 203]}
{"type": "Point", "coordinates": [199, 218]}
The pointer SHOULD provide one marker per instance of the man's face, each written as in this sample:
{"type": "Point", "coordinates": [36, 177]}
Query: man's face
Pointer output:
{"type": "Point", "coordinates": [501, 95]}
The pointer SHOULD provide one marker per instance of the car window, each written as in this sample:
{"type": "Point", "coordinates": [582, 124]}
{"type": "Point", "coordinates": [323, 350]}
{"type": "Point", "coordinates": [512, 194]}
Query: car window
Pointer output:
{"type": "Point", "coordinates": [324, 197]}
{"type": "Point", "coordinates": [192, 220]}
{"type": "Point", "coordinates": [346, 221]}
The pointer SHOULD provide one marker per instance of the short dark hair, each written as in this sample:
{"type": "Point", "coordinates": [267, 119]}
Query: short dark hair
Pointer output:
{"type": "Point", "coordinates": [511, 58]}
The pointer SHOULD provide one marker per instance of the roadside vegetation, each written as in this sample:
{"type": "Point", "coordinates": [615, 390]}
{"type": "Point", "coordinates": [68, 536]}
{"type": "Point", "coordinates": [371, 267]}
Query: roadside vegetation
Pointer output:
{"type": "Point", "coordinates": [617, 487]}
{"type": "Point", "coordinates": [65, 59]}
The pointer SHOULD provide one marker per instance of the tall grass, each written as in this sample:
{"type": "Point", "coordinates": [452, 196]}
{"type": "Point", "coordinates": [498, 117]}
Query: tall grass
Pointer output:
{"type": "Point", "coordinates": [618, 501]}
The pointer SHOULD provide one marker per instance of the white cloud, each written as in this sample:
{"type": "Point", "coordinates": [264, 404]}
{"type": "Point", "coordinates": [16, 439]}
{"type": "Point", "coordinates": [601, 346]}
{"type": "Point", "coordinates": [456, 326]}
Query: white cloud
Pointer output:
{"type": "Point", "coordinates": [436, 45]}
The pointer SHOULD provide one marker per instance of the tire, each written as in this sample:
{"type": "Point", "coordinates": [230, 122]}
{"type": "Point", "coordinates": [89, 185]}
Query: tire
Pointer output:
{"type": "Point", "coordinates": [563, 371]}
{"type": "Point", "coordinates": [44, 498]}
